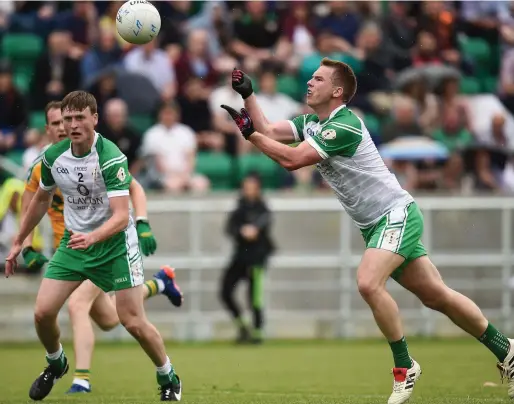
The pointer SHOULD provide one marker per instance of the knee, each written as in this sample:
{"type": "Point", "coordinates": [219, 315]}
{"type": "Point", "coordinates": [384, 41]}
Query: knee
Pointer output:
{"type": "Point", "coordinates": [368, 287]}
{"type": "Point", "coordinates": [132, 323]}
{"type": "Point", "coordinates": [107, 325]}
{"type": "Point", "coordinates": [77, 307]}
{"type": "Point", "coordinates": [44, 314]}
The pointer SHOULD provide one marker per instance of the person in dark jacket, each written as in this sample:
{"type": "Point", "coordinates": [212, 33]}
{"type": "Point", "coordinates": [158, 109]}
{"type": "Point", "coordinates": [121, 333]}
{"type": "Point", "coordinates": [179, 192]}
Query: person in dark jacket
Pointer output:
{"type": "Point", "coordinates": [249, 226]}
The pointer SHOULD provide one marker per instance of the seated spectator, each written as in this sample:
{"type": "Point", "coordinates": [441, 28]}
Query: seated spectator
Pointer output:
{"type": "Point", "coordinates": [404, 120]}
{"type": "Point", "coordinates": [506, 82]}
{"type": "Point", "coordinates": [195, 62]}
{"type": "Point", "coordinates": [153, 63]}
{"type": "Point", "coordinates": [456, 138]}
{"type": "Point", "coordinates": [56, 73]}
{"type": "Point", "coordinates": [449, 98]}
{"type": "Point", "coordinates": [105, 54]}
{"type": "Point", "coordinates": [115, 127]}
{"type": "Point", "coordinates": [342, 21]}
{"type": "Point", "coordinates": [104, 89]}
{"type": "Point", "coordinates": [34, 141]}
{"type": "Point", "coordinates": [13, 111]}
{"type": "Point", "coordinates": [425, 102]}
{"type": "Point", "coordinates": [108, 23]}
{"type": "Point", "coordinates": [169, 148]}
{"type": "Point", "coordinates": [426, 51]}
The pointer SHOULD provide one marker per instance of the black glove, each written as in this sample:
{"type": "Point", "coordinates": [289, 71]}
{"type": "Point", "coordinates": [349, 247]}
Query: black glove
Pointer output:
{"type": "Point", "coordinates": [243, 120]}
{"type": "Point", "coordinates": [241, 83]}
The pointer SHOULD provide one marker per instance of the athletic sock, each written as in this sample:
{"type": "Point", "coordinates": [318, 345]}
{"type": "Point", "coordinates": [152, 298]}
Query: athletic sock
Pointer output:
{"type": "Point", "coordinates": [166, 374]}
{"type": "Point", "coordinates": [57, 359]}
{"type": "Point", "coordinates": [496, 342]}
{"type": "Point", "coordinates": [81, 377]}
{"type": "Point", "coordinates": [155, 286]}
{"type": "Point", "coordinates": [401, 354]}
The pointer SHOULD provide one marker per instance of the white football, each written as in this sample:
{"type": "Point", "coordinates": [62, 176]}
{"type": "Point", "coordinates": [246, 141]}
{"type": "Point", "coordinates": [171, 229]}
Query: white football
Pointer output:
{"type": "Point", "coordinates": [138, 22]}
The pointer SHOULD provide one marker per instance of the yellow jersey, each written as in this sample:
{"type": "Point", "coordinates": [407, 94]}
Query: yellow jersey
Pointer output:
{"type": "Point", "coordinates": [56, 209]}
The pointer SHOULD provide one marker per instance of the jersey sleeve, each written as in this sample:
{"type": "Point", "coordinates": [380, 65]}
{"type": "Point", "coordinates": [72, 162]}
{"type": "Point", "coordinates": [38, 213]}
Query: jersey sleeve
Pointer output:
{"type": "Point", "coordinates": [336, 139]}
{"type": "Point", "coordinates": [47, 181]}
{"type": "Point", "coordinates": [116, 176]}
{"type": "Point", "coordinates": [297, 125]}
{"type": "Point", "coordinates": [33, 178]}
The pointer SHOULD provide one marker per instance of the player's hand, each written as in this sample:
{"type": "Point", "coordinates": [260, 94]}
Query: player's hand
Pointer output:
{"type": "Point", "coordinates": [241, 83]}
{"type": "Point", "coordinates": [34, 260]}
{"type": "Point", "coordinates": [80, 241]}
{"type": "Point", "coordinates": [249, 232]}
{"type": "Point", "coordinates": [11, 263]}
{"type": "Point", "coordinates": [147, 240]}
{"type": "Point", "coordinates": [242, 120]}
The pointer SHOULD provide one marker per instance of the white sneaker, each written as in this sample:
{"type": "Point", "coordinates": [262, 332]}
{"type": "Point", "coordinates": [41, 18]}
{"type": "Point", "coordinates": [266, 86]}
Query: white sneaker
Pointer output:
{"type": "Point", "coordinates": [404, 380]}
{"type": "Point", "coordinates": [507, 369]}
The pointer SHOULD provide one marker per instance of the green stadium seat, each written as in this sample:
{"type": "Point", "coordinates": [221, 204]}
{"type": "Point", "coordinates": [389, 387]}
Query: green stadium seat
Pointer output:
{"type": "Point", "coordinates": [372, 123]}
{"type": "Point", "coordinates": [479, 51]}
{"type": "Point", "coordinates": [37, 120]}
{"type": "Point", "coordinates": [16, 156]}
{"type": "Point", "coordinates": [290, 86]}
{"type": "Point", "coordinates": [218, 167]}
{"type": "Point", "coordinates": [22, 81]}
{"type": "Point", "coordinates": [490, 84]}
{"type": "Point", "coordinates": [469, 85]}
{"type": "Point", "coordinates": [141, 122]}
{"type": "Point", "coordinates": [270, 172]}
{"type": "Point", "coordinates": [21, 46]}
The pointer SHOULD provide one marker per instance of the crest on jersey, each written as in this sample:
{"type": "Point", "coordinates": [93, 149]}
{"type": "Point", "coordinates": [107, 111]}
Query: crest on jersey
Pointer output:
{"type": "Point", "coordinates": [121, 174]}
{"type": "Point", "coordinates": [328, 134]}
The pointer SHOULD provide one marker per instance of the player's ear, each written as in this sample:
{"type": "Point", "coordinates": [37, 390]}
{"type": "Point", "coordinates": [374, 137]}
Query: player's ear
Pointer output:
{"type": "Point", "coordinates": [337, 92]}
{"type": "Point", "coordinates": [95, 118]}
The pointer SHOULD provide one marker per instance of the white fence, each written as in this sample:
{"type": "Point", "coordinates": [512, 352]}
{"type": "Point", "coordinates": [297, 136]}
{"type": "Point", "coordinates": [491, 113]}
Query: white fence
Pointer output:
{"type": "Point", "coordinates": [310, 290]}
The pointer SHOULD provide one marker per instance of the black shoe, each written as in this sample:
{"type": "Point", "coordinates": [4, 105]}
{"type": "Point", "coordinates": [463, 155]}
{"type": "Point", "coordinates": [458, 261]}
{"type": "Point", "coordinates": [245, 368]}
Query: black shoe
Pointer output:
{"type": "Point", "coordinates": [244, 336]}
{"type": "Point", "coordinates": [43, 385]}
{"type": "Point", "coordinates": [172, 391]}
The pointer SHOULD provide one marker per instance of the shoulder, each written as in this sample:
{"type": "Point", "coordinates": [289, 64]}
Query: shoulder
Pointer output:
{"type": "Point", "coordinates": [108, 152]}
{"type": "Point", "coordinates": [54, 152]}
{"type": "Point", "coordinates": [345, 121]}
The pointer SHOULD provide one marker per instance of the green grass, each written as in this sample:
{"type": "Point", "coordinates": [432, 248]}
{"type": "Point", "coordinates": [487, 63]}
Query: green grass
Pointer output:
{"type": "Point", "coordinates": [321, 372]}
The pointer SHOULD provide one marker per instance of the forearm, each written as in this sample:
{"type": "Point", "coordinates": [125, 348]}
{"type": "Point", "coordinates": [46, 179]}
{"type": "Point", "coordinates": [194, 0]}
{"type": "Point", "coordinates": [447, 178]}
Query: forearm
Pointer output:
{"type": "Point", "coordinates": [25, 203]}
{"type": "Point", "coordinates": [260, 122]}
{"type": "Point", "coordinates": [138, 198]}
{"type": "Point", "coordinates": [117, 223]}
{"type": "Point", "coordinates": [33, 215]}
{"type": "Point", "coordinates": [281, 153]}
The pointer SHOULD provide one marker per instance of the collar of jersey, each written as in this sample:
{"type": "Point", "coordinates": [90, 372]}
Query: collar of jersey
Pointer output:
{"type": "Point", "coordinates": [87, 153]}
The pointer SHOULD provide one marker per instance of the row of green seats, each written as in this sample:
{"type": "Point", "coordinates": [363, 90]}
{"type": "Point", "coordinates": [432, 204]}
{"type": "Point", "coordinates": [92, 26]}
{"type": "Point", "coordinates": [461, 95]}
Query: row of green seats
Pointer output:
{"type": "Point", "coordinates": [226, 172]}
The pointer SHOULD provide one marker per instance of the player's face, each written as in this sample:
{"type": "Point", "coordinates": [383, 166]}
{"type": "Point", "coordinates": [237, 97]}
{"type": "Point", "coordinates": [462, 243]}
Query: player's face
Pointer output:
{"type": "Point", "coordinates": [80, 125]}
{"type": "Point", "coordinates": [320, 89]}
{"type": "Point", "coordinates": [55, 127]}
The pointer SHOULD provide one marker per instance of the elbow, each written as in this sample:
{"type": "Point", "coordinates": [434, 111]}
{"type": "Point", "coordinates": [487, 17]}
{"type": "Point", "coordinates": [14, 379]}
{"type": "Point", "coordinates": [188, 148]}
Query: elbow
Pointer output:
{"type": "Point", "coordinates": [291, 165]}
{"type": "Point", "coordinates": [123, 221]}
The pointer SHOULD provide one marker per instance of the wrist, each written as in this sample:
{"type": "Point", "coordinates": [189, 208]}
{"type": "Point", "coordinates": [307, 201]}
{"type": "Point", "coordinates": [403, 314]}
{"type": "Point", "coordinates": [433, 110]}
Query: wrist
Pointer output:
{"type": "Point", "coordinates": [27, 250]}
{"type": "Point", "coordinates": [141, 219]}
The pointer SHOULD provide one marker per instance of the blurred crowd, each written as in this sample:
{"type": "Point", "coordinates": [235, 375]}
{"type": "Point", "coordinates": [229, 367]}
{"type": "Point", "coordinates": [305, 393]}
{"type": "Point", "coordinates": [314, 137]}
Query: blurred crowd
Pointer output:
{"type": "Point", "coordinates": [439, 72]}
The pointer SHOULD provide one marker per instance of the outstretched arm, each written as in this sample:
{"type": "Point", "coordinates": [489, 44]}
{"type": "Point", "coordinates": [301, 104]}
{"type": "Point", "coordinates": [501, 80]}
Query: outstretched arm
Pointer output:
{"type": "Point", "coordinates": [34, 213]}
{"type": "Point", "coordinates": [147, 240]}
{"type": "Point", "coordinates": [138, 198]}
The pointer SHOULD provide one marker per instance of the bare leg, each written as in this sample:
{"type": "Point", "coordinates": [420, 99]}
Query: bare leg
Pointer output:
{"type": "Point", "coordinates": [51, 297]}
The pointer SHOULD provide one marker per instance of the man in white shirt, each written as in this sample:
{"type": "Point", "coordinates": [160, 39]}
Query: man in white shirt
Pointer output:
{"type": "Point", "coordinates": [171, 148]}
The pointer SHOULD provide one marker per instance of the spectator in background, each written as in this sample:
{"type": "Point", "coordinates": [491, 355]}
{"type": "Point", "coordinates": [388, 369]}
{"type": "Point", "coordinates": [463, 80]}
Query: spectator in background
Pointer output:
{"type": "Point", "coordinates": [173, 26]}
{"type": "Point", "coordinates": [13, 111]}
{"type": "Point", "coordinates": [108, 23]}
{"type": "Point", "coordinates": [426, 104]}
{"type": "Point", "coordinates": [56, 72]}
{"type": "Point", "coordinates": [153, 63]}
{"type": "Point", "coordinates": [104, 88]}
{"type": "Point", "coordinates": [426, 51]}
{"type": "Point", "coordinates": [449, 98]}
{"type": "Point", "coordinates": [195, 62]}
{"type": "Point", "coordinates": [342, 21]}
{"type": "Point", "coordinates": [456, 138]}
{"type": "Point", "coordinates": [249, 227]}
{"type": "Point", "coordinates": [404, 120]}
{"type": "Point", "coordinates": [196, 114]}
{"type": "Point", "coordinates": [169, 148]}
{"type": "Point", "coordinates": [115, 127]}
{"type": "Point", "coordinates": [35, 142]}
{"type": "Point", "coordinates": [221, 121]}
{"type": "Point", "coordinates": [257, 34]}
{"type": "Point", "coordinates": [491, 158]}
{"type": "Point", "coordinates": [105, 54]}
{"type": "Point", "coordinates": [506, 82]}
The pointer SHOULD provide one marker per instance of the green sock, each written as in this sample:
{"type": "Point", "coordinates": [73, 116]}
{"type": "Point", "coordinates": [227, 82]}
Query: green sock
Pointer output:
{"type": "Point", "coordinates": [496, 342]}
{"type": "Point", "coordinates": [166, 374]}
{"type": "Point", "coordinates": [57, 359]}
{"type": "Point", "coordinates": [401, 354]}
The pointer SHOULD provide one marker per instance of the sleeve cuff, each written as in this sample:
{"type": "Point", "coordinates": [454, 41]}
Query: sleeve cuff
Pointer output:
{"type": "Point", "coordinates": [316, 146]}
{"type": "Point", "coordinates": [45, 187]}
{"type": "Point", "coordinates": [295, 132]}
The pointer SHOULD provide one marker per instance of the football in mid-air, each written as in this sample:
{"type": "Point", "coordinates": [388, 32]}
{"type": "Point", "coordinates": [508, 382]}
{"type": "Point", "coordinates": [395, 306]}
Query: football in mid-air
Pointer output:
{"type": "Point", "coordinates": [138, 22]}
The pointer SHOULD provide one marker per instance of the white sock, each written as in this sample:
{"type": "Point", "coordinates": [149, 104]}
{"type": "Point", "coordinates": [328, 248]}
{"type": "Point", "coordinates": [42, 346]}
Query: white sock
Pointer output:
{"type": "Point", "coordinates": [166, 368]}
{"type": "Point", "coordinates": [160, 285]}
{"type": "Point", "coordinates": [56, 355]}
{"type": "Point", "coordinates": [81, 382]}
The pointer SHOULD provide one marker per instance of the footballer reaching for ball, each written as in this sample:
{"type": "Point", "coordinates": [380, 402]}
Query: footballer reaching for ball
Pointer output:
{"type": "Point", "coordinates": [99, 245]}
{"type": "Point", "coordinates": [391, 223]}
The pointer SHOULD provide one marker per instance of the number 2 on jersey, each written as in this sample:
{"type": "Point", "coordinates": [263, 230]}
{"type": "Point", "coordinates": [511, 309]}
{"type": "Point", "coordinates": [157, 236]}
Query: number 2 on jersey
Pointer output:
{"type": "Point", "coordinates": [81, 177]}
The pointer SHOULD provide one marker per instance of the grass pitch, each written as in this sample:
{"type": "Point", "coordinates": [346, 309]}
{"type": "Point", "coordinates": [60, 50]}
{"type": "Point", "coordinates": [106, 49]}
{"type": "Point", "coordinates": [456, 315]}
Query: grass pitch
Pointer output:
{"type": "Point", "coordinates": [320, 372]}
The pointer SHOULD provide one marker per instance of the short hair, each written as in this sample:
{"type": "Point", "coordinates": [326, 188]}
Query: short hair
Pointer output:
{"type": "Point", "coordinates": [49, 106]}
{"type": "Point", "coordinates": [342, 76]}
{"type": "Point", "coordinates": [79, 101]}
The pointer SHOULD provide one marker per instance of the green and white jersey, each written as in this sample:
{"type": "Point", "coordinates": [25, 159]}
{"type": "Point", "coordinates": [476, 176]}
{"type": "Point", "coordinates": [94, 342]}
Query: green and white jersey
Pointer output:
{"type": "Point", "coordinates": [352, 165]}
{"type": "Point", "coordinates": [86, 182]}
